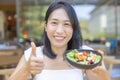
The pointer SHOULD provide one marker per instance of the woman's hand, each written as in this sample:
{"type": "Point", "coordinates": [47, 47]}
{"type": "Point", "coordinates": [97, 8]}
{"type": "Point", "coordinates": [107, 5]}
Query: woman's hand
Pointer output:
{"type": "Point", "coordinates": [24, 68]}
{"type": "Point", "coordinates": [35, 64]}
{"type": "Point", "coordinates": [99, 72]}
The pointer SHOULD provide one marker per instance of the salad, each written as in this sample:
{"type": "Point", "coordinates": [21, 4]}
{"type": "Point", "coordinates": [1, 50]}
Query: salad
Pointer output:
{"type": "Point", "coordinates": [83, 57]}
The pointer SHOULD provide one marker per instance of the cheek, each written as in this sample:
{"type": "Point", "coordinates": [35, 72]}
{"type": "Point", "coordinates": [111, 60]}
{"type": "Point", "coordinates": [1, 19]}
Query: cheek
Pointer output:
{"type": "Point", "coordinates": [49, 31]}
{"type": "Point", "coordinates": [70, 33]}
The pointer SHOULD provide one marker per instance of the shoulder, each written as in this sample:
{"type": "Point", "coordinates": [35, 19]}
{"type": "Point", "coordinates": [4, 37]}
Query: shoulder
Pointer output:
{"type": "Point", "coordinates": [39, 48]}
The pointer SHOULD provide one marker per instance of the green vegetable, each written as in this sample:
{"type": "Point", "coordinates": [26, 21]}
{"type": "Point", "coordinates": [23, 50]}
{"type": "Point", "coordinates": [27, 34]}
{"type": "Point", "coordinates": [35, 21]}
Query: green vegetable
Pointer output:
{"type": "Point", "coordinates": [72, 56]}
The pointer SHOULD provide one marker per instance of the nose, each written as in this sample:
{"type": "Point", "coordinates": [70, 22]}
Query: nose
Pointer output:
{"type": "Point", "coordinates": [60, 29]}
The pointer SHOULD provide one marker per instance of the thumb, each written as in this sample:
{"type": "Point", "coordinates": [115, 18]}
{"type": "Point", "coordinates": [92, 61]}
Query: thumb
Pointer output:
{"type": "Point", "coordinates": [33, 52]}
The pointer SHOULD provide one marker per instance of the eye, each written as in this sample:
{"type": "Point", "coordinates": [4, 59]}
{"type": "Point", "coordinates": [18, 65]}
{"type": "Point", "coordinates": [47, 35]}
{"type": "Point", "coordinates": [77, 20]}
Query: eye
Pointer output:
{"type": "Point", "coordinates": [67, 24]}
{"type": "Point", "coordinates": [54, 23]}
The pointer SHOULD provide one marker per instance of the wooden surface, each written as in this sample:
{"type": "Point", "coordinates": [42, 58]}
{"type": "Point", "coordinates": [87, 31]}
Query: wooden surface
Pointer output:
{"type": "Point", "coordinates": [111, 60]}
{"type": "Point", "coordinates": [8, 60]}
{"type": "Point", "coordinates": [8, 52]}
{"type": "Point", "coordinates": [12, 58]}
{"type": "Point", "coordinates": [6, 72]}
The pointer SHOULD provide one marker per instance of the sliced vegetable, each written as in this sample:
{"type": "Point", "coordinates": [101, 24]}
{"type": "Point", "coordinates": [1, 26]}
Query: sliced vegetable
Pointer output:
{"type": "Point", "coordinates": [84, 57]}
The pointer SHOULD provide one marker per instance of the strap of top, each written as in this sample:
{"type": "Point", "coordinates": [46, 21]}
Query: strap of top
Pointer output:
{"type": "Point", "coordinates": [39, 53]}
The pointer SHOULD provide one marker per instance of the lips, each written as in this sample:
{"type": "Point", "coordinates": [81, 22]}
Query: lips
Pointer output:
{"type": "Point", "coordinates": [59, 38]}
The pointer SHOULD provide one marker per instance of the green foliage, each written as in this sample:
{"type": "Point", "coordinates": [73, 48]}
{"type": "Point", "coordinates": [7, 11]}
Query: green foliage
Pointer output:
{"type": "Point", "coordinates": [33, 20]}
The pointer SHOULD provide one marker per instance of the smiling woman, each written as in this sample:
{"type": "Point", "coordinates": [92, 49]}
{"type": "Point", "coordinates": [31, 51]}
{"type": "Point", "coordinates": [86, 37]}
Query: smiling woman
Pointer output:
{"type": "Point", "coordinates": [59, 29]}
{"type": "Point", "coordinates": [61, 33]}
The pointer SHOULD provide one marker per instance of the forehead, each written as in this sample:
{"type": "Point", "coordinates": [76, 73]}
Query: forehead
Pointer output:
{"type": "Point", "coordinates": [59, 14]}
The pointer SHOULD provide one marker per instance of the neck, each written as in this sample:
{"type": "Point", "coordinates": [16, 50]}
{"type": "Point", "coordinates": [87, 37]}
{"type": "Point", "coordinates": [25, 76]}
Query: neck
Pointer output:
{"type": "Point", "coordinates": [59, 51]}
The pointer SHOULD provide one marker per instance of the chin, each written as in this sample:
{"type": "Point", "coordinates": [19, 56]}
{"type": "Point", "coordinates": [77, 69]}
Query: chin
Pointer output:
{"type": "Point", "coordinates": [59, 45]}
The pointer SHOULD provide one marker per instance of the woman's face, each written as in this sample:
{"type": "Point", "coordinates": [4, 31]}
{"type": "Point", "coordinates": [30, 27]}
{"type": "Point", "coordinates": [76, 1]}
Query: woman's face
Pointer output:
{"type": "Point", "coordinates": [59, 28]}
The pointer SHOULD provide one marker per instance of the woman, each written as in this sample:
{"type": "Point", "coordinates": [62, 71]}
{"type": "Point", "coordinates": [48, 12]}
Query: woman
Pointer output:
{"type": "Point", "coordinates": [62, 32]}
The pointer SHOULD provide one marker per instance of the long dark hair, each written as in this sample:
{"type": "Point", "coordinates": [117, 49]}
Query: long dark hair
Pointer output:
{"type": "Point", "coordinates": [76, 40]}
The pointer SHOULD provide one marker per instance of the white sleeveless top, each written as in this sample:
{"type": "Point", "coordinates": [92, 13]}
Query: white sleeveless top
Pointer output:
{"type": "Point", "coordinates": [46, 74]}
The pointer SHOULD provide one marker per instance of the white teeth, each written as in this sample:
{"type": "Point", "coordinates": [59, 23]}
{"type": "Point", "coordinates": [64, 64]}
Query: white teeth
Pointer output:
{"type": "Point", "coordinates": [59, 37]}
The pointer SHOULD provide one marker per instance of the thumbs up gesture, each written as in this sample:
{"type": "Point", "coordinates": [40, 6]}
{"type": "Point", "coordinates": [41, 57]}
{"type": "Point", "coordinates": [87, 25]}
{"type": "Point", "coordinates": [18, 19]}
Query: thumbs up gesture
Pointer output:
{"type": "Point", "coordinates": [35, 63]}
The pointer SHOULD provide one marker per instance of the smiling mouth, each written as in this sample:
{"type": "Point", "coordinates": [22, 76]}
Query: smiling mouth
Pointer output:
{"type": "Point", "coordinates": [59, 38]}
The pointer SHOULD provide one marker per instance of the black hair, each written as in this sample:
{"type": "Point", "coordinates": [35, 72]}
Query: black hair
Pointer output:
{"type": "Point", "coordinates": [76, 40]}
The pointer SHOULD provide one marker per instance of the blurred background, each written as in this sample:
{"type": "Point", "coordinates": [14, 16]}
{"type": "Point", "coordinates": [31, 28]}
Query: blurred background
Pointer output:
{"type": "Point", "coordinates": [22, 21]}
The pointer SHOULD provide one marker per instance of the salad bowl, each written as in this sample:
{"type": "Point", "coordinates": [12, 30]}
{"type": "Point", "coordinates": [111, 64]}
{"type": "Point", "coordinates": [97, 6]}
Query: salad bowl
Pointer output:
{"type": "Point", "coordinates": [83, 59]}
